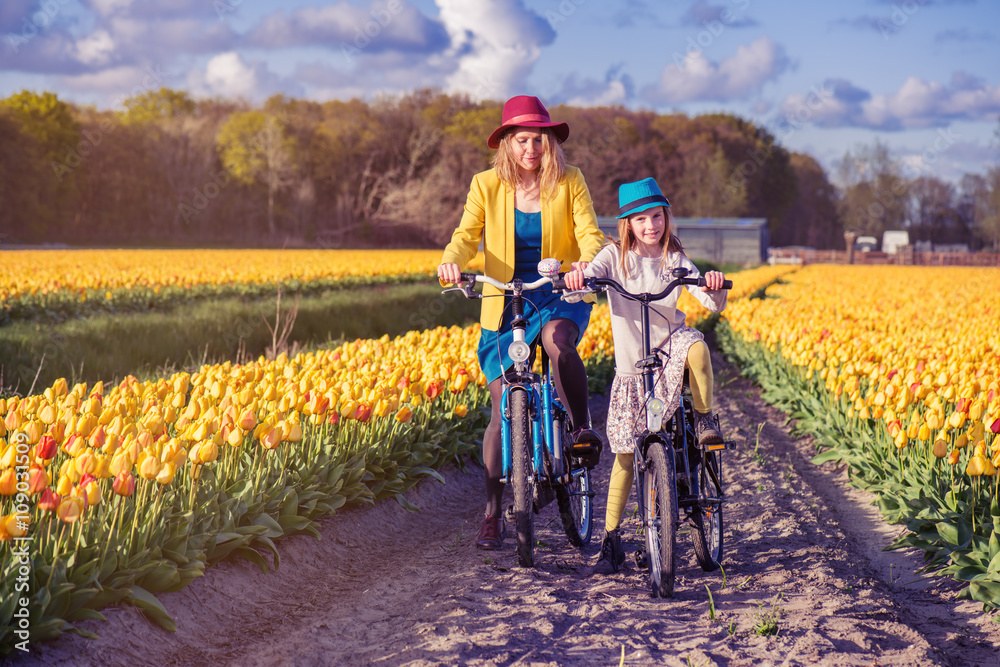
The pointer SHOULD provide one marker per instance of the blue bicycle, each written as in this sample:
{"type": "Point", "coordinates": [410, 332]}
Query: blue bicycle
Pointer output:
{"type": "Point", "coordinates": [536, 430]}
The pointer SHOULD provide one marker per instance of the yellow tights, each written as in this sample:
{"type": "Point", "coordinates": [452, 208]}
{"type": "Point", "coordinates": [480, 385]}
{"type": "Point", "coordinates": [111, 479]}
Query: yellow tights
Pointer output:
{"type": "Point", "coordinates": [699, 365]}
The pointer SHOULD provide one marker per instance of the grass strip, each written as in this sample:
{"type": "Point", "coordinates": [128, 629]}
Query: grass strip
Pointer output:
{"type": "Point", "coordinates": [111, 346]}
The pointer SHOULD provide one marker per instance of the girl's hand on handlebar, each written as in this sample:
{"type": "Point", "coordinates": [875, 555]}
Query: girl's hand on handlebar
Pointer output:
{"type": "Point", "coordinates": [574, 279]}
{"type": "Point", "coordinates": [449, 273]}
{"type": "Point", "coordinates": [713, 281]}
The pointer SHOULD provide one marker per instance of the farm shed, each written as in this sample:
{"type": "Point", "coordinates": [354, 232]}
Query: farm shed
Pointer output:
{"type": "Point", "coordinates": [718, 240]}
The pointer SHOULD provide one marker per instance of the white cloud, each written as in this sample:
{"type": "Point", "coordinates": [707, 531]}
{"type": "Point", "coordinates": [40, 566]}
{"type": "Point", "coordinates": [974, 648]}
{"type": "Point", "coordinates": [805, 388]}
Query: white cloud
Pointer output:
{"type": "Point", "coordinates": [613, 93]}
{"type": "Point", "coordinates": [615, 89]}
{"type": "Point", "coordinates": [229, 75]}
{"type": "Point", "coordinates": [739, 77]}
{"type": "Point", "coordinates": [96, 48]}
{"type": "Point", "coordinates": [917, 104]}
{"type": "Point", "coordinates": [495, 44]}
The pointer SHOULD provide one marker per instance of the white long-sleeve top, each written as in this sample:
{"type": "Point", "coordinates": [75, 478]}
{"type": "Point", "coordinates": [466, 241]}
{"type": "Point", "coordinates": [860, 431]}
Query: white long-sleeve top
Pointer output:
{"type": "Point", "coordinates": [646, 274]}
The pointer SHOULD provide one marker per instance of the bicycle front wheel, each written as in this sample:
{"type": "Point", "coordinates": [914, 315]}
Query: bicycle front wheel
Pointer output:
{"type": "Point", "coordinates": [521, 475]}
{"type": "Point", "coordinates": [707, 515]}
{"type": "Point", "coordinates": [660, 519]}
{"type": "Point", "coordinates": [576, 508]}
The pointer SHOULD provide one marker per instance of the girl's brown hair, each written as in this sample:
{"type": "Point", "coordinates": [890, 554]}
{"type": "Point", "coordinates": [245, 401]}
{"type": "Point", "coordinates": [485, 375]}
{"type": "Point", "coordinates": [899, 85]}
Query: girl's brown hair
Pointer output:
{"type": "Point", "coordinates": [626, 239]}
{"type": "Point", "coordinates": [553, 161]}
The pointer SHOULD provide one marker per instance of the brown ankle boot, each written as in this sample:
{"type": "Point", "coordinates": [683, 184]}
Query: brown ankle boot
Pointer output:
{"type": "Point", "coordinates": [706, 427]}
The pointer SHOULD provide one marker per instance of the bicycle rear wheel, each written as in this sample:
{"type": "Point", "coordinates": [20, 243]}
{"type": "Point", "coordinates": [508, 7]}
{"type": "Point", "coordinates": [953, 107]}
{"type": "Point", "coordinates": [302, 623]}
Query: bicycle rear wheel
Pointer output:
{"type": "Point", "coordinates": [576, 508]}
{"type": "Point", "coordinates": [521, 475]}
{"type": "Point", "coordinates": [707, 515]}
{"type": "Point", "coordinates": [660, 519]}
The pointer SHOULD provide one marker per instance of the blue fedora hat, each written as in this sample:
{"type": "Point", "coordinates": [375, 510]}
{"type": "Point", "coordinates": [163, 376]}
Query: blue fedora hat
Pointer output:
{"type": "Point", "coordinates": [638, 196]}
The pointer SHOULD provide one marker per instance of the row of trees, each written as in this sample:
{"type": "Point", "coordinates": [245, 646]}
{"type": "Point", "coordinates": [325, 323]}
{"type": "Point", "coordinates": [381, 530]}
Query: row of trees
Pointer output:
{"type": "Point", "coordinates": [170, 170]}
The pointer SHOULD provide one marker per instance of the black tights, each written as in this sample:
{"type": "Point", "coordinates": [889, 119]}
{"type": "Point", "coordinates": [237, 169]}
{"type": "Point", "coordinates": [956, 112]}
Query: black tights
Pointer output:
{"type": "Point", "coordinates": [558, 337]}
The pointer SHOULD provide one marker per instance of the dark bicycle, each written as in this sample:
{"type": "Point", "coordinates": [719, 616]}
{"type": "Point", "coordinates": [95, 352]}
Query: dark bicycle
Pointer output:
{"type": "Point", "coordinates": [536, 429]}
{"type": "Point", "coordinates": [673, 473]}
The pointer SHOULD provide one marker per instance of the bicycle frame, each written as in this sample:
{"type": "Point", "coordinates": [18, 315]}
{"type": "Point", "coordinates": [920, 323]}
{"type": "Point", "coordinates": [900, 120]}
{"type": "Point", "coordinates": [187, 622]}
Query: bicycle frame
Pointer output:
{"type": "Point", "coordinates": [545, 407]}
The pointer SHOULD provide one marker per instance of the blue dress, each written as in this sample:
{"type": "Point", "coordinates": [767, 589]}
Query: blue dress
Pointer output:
{"type": "Point", "coordinates": [540, 305]}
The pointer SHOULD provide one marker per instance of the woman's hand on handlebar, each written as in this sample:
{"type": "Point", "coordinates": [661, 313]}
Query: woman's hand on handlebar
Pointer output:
{"type": "Point", "coordinates": [574, 279]}
{"type": "Point", "coordinates": [449, 273]}
{"type": "Point", "coordinates": [713, 281]}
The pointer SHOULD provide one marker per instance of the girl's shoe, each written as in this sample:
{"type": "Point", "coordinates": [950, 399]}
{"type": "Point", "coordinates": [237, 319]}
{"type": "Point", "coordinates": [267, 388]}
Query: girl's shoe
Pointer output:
{"type": "Point", "coordinates": [612, 555]}
{"type": "Point", "coordinates": [491, 533]}
{"type": "Point", "coordinates": [706, 428]}
{"type": "Point", "coordinates": [586, 445]}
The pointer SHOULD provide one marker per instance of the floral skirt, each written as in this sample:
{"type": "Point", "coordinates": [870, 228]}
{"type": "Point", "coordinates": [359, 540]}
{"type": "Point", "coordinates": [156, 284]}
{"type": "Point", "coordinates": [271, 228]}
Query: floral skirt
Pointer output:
{"type": "Point", "coordinates": [626, 419]}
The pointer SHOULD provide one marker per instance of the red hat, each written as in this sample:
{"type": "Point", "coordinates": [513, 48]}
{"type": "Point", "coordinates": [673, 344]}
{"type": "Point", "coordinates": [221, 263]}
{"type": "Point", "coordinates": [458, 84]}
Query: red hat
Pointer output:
{"type": "Point", "coordinates": [526, 111]}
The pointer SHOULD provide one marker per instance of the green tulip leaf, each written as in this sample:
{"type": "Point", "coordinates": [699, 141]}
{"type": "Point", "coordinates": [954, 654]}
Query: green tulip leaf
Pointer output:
{"type": "Point", "coordinates": [151, 607]}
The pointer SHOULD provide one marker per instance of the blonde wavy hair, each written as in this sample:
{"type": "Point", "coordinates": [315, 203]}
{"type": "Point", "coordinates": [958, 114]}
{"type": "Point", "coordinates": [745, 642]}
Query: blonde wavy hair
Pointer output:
{"type": "Point", "coordinates": [627, 241]}
{"type": "Point", "coordinates": [553, 161]}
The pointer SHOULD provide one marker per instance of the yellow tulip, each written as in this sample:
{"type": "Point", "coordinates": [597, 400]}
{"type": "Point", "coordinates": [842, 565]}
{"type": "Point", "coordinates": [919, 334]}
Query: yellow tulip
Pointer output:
{"type": "Point", "coordinates": [270, 438]}
{"type": "Point", "coordinates": [15, 525]}
{"type": "Point", "coordinates": [166, 474]}
{"type": "Point", "coordinates": [149, 468]}
{"type": "Point", "coordinates": [940, 448]}
{"type": "Point", "coordinates": [70, 509]}
{"type": "Point", "coordinates": [208, 451]}
{"type": "Point", "coordinates": [901, 440]}
{"type": "Point", "coordinates": [8, 482]}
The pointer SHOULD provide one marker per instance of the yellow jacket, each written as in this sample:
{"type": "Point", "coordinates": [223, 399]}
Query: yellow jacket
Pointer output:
{"type": "Point", "coordinates": [569, 231]}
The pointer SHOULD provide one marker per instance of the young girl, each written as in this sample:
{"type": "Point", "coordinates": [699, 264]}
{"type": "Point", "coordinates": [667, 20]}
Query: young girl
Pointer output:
{"type": "Point", "coordinates": [642, 261]}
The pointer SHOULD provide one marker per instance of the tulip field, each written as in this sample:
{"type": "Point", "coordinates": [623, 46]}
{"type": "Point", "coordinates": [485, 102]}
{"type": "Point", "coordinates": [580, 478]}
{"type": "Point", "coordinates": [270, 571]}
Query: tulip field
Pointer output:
{"type": "Point", "coordinates": [116, 493]}
{"type": "Point", "coordinates": [113, 493]}
{"type": "Point", "coordinates": [65, 283]}
{"type": "Point", "coordinates": [896, 372]}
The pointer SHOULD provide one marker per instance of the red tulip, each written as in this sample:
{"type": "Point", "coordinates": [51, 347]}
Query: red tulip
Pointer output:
{"type": "Point", "coordinates": [434, 388]}
{"type": "Point", "coordinates": [49, 500]}
{"type": "Point", "coordinates": [46, 448]}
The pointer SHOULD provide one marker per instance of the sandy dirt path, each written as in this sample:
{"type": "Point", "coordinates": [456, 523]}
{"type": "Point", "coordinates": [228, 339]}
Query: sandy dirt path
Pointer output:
{"type": "Point", "coordinates": [389, 587]}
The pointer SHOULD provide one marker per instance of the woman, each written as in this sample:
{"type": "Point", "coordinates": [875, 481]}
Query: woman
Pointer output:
{"type": "Point", "coordinates": [529, 206]}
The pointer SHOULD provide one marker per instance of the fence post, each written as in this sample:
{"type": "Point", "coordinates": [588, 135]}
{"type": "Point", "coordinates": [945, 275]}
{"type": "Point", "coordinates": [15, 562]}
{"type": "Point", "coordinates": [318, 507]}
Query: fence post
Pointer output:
{"type": "Point", "coordinates": [849, 238]}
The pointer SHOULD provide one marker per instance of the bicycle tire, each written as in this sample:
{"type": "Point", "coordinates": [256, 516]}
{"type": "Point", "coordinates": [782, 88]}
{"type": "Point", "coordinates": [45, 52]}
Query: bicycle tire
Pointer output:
{"type": "Point", "coordinates": [660, 519]}
{"type": "Point", "coordinates": [522, 477]}
{"type": "Point", "coordinates": [576, 508]}
{"type": "Point", "coordinates": [706, 517]}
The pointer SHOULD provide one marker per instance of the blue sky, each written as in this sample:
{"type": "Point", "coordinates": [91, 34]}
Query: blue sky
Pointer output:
{"type": "Point", "coordinates": [923, 76]}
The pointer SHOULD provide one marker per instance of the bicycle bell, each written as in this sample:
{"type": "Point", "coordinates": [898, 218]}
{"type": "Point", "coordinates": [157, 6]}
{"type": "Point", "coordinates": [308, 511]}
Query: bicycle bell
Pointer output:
{"type": "Point", "coordinates": [549, 267]}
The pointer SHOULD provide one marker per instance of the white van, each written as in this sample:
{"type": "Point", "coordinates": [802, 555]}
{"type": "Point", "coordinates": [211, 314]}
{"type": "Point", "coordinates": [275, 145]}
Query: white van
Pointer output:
{"type": "Point", "coordinates": [891, 240]}
{"type": "Point", "coordinates": [866, 244]}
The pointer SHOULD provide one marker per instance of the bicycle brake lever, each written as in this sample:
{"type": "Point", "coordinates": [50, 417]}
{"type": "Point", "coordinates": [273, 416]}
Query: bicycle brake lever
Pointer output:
{"type": "Point", "coordinates": [466, 290]}
{"type": "Point", "coordinates": [575, 295]}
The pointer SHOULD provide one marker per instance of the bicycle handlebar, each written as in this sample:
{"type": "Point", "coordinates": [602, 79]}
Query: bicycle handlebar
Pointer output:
{"type": "Point", "coordinates": [468, 280]}
{"type": "Point", "coordinates": [602, 284]}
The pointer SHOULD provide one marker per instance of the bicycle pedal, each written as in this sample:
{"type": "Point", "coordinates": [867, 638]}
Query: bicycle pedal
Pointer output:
{"type": "Point", "coordinates": [641, 559]}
